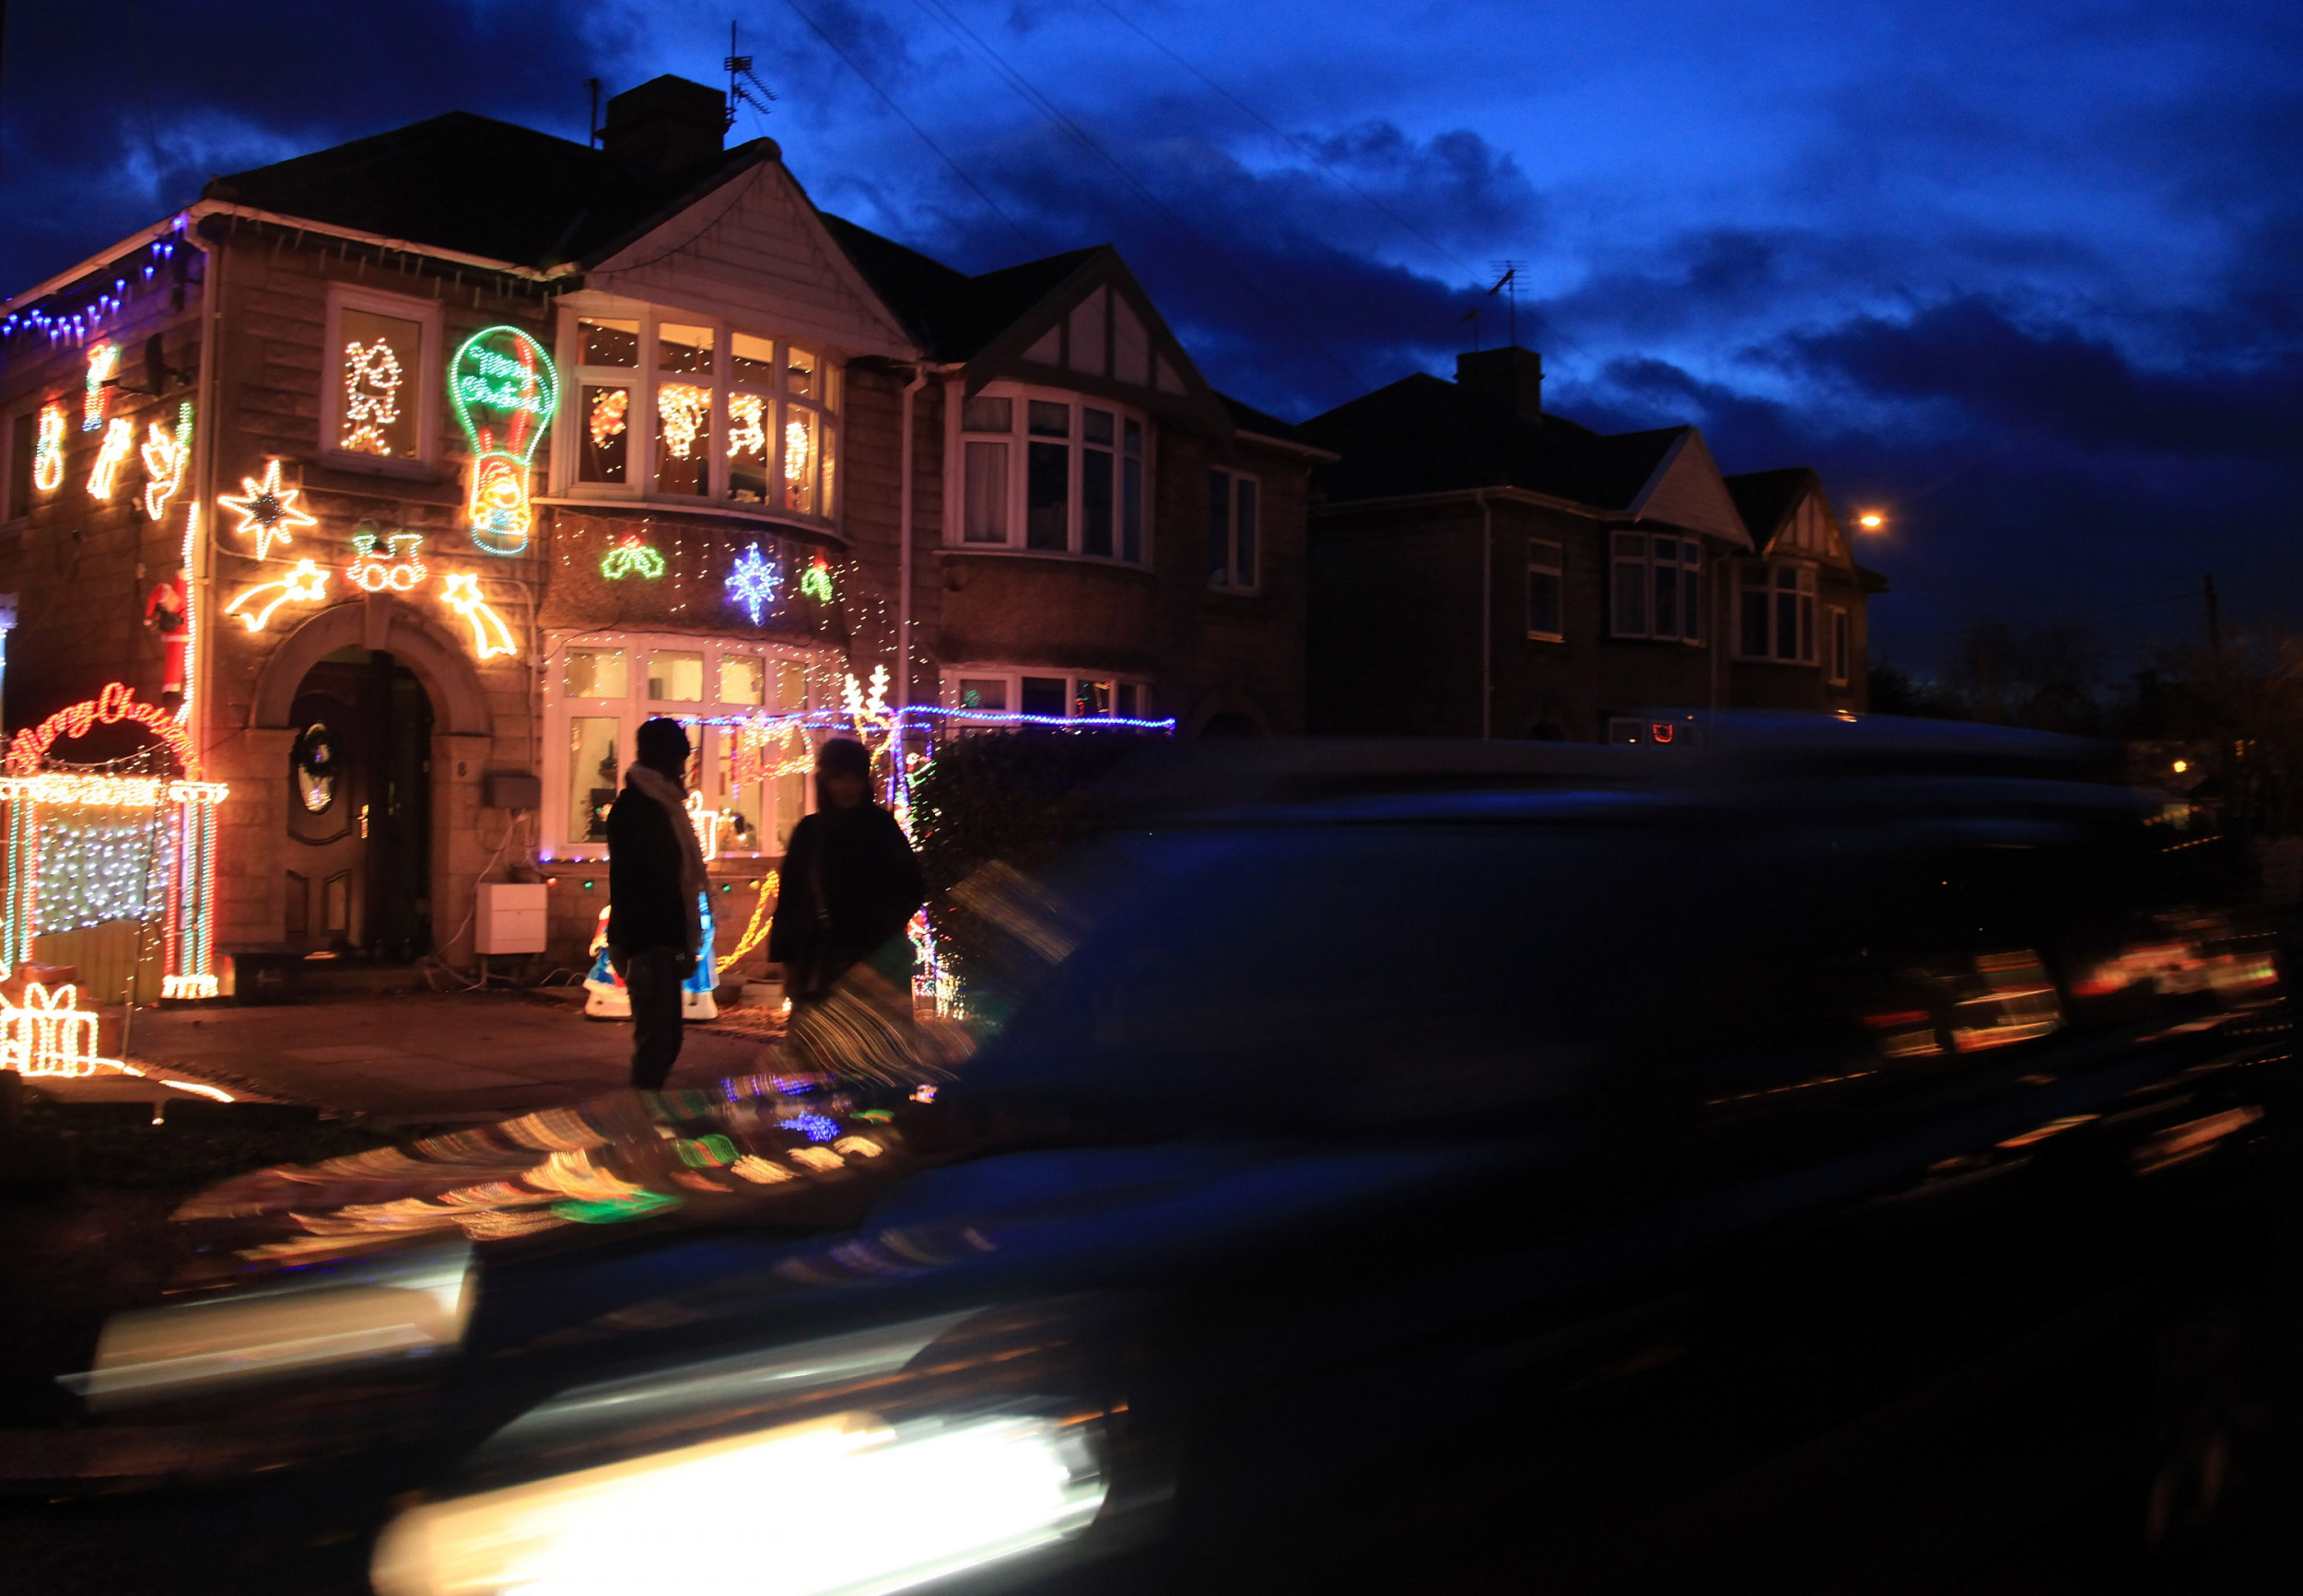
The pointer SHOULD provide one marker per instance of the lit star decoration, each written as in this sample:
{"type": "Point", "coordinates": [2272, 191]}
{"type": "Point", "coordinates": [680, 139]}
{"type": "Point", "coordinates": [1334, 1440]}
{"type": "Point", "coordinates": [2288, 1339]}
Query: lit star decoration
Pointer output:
{"type": "Point", "coordinates": [504, 390]}
{"type": "Point", "coordinates": [371, 396]}
{"type": "Point", "coordinates": [754, 582]}
{"type": "Point", "coordinates": [490, 636]}
{"type": "Point", "coordinates": [48, 450]}
{"type": "Point", "coordinates": [746, 435]}
{"type": "Point", "coordinates": [165, 456]}
{"type": "Point", "coordinates": [607, 414]}
{"type": "Point", "coordinates": [103, 365]}
{"type": "Point", "coordinates": [267, 509]}
{"type": "Point", "coordinates": [817, 583]}
{"type": "Point", "coordinates": [631, 556]}
{"type": "Point", "coordinates": [399, 571]}
{"type": "Point", "coordinates": [120, 441]}
{"type": "Point", "coordinates": [307, 584]}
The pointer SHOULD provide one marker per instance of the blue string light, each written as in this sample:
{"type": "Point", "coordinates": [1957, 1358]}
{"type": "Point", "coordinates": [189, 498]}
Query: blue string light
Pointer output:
{"type": "Point", "coordinates": [754, 582]}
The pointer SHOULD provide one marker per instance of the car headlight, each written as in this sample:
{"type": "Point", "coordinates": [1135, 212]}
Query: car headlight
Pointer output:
{"type": "Point", "coordinates": [843, 1504]}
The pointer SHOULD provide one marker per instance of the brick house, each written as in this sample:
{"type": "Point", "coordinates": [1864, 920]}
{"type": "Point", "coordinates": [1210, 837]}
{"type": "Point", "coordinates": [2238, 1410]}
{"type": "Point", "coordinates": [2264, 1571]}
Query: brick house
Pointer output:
{"type": "Point", "coordinates": [472, 473]}
{"type": "Point", "coordinates": [1479, 568]}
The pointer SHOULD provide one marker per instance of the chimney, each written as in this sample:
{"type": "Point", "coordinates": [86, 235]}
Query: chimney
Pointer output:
{"type": "Point", "coordinates": [665, 126]}
{"type": "Point", "coordinates": [1510, 377]}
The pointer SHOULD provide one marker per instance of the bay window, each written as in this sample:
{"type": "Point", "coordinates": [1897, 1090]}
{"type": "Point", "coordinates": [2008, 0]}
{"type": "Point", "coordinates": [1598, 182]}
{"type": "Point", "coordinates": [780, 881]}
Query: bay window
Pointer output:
{"type": "Point", "coordinates": [1658, 587]}
{"type": "Point", "coordinates": [675, 409]}
{"type": "Point", "coordinates": [604, 684]}
{"type": "Point", "coordinates": [1052, 473]}
{"type": "Point", "coordinates": [1775, 612]}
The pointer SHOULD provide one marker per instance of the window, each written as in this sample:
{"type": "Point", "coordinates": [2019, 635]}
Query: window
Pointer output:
{"type": "Point", "coordinates": [606, 684]}
{"type": "Point", "coordinates": [1232, 532]}
{"type": "Point", "coordinates": [1658, 587]}
{"type": "Point", "coordinates": [1545, 599]}
{"type": "Point", "coordinates": [1052, 473]}
{"type": "Point", "coordinates": [1775, 614]}
{"type": "Point", "coordinates": [1072, 695]}
{"type": "Point", "coordinates": [687, 410]}
{"type": "Point", "coordinates": [378, 409]}
{"type": "Point", "coordinates": [1842, 648]}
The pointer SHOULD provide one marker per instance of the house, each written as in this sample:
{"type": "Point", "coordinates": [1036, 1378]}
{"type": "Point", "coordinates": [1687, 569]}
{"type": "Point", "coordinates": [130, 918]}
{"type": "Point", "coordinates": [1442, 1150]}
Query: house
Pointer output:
{"type": "Point", "coordinates": [476, 447]}
{"type": "Point", "coordinates": [1480, 568]}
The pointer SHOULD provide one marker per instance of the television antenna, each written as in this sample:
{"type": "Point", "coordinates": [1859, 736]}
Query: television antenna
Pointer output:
{"type": "Point", "coordinates": [743, 88]}
{"type": "Point", "coordinates": [1509, 279]}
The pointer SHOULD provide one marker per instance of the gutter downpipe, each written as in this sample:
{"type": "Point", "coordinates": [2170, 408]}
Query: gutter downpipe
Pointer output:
{"type": "Point", "coordinates": [200, 580]}
{"type": "Point", "coordinates": [904, 576]}
{"type": "Point", "coordinates": [1487, 617]}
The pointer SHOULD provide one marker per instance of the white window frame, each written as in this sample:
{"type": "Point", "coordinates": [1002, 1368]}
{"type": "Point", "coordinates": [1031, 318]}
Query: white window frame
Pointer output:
{"type": "Point", "coordinates": [1232, 578]}
{"type": "Point", "coordinates": [1841, 643]}
{"type": "Point", "coordinates": [1012, 676]}
{"type": "Point", "coordinates": [1547, 557]}
{"type": "Point", "coordinates": [1778, 580]}
{"type": "Point", "coordinates": [1019, 439]}
{"type": "Point", "coordinates": [823, 673]}
{"type": "Point", "coordinates": [646, 378]}
{"type": "Point", "coordinates": [428, 382]}
{"type": "Point", "coordinates": [1685, 560]}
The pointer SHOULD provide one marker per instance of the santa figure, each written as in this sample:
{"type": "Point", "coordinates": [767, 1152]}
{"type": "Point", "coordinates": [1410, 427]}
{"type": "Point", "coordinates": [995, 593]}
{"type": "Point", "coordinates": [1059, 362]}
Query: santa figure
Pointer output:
{"type": "Point", "coordinates": [164, 612]}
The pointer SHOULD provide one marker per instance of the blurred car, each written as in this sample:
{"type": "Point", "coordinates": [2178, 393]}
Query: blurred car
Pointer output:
{"type": "Point", "coordinates": [1801, 1153]}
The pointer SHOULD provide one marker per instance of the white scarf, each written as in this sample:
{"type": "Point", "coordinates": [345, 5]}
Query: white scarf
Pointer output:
{"type": "Point", "coordinates": [694, 879]}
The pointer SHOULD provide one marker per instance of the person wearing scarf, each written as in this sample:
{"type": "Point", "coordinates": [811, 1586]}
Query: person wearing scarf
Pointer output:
{"type": "Point", "coordinates": [656, 878]}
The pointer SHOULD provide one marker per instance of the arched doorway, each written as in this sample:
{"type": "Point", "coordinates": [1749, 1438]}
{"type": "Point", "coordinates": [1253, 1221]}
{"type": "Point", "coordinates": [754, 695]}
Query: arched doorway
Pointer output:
{"type": "Point", "coordinates": [356, 872]}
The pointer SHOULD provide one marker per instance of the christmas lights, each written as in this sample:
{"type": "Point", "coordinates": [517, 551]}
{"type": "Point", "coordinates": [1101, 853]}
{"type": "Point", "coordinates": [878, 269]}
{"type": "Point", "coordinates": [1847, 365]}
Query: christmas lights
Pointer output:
{"type": "Point", "coordinates": [817, 583]}
{"type": "Point", "coordinates": [607, 414]}
{"type": "Point", "coordinates": [371, 396]}
{"type": "Point", "coordinates": [192, 615]}
{"type": "Point", "coordinates": [166, 455]}
{"type": "Point", "coordinates": [754, 582]}
{"type": "Point", "coordinates": [307, 584]}
{"type": "Point", "coordinates": [48, 1033]}
{"type": "Point", "coordinates": [399, 571]}
{"type": "Point", "coordinates": [92, 871]}
{"type": "Point", "coordinates": [490, 636]}
{"type": "Point", "coordinates": [747, 433]}
{"type": "Point", "coordinates": [120, 441]}
{"type": "Point", "coordinates": [502, 385]}
{"type": "Point", "coordinates": [103, 365]}
{"type": "Point", "coordinates": [680, 408]}
{"type": "Point", "coordinates": [754, 930]}
{"type": "Point", "coordinates": [117, 703]}
{"type": "Point", "coordinates": [268, 510]}
{"type": "Point", "coordinates": [631, 556]}
{"type": "Point", "coordinates": [48, 450]}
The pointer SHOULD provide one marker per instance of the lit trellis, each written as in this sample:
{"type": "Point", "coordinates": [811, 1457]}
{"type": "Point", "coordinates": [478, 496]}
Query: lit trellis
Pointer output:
{"type": "Point", "coordinates": [98, 864]}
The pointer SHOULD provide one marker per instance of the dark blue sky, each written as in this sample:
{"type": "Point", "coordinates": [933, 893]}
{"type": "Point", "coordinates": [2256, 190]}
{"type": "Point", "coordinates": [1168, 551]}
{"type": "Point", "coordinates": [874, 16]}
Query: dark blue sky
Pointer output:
{"type": "Point", "coordinates": [2025, 276]}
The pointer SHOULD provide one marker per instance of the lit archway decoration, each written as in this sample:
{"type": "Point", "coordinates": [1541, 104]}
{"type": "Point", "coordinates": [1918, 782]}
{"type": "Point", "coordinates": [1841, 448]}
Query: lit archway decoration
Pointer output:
{"type": "Point", "coordinates": [44, 810]}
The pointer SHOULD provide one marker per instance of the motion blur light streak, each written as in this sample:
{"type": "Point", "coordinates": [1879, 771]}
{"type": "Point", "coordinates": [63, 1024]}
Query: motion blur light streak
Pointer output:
{"type": "Point", "coordinates": [928, 1501]}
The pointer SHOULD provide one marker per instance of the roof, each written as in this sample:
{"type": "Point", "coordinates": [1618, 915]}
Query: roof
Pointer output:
{"type": "Point", "coordinates": [440, 183]}
{"type": "Point", "coordinates": [1422, 435]}
{"type": "Point", "coordinates": [1263, 424]}
{"type": "Point", "coordinates": [1766, 499]}
{"type": "Point", "coordinates": [952, 315]}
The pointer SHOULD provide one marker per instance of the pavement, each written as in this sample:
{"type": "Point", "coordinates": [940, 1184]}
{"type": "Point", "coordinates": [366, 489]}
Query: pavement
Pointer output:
{"type": "Point", "coordinates": [418, 1056]}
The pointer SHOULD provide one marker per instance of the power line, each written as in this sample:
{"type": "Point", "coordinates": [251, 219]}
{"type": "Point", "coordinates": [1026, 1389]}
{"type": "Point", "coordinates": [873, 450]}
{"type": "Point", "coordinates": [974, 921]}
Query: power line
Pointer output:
{"type": "Point", "coordinates": [989, 203]}
{"type": "Point", "coordinates": [1024, 88]}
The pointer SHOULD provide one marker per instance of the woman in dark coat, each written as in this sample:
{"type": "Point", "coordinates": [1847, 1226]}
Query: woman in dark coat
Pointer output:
{"type": "Point", "coordinates": [850, 885]}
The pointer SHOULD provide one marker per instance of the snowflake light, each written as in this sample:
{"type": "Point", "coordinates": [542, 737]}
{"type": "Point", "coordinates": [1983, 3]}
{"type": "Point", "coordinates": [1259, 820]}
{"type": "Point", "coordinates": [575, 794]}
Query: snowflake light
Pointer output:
{"type": "Point", "coordinates": [399, 570]}
{"type": "Point", "coordinates": [754, 582]}
{"type": "Point", "coordinates": [307, 584]}
{"type": "Point", "coordinates": [267, 509]}
{"type": "Point", "coordinates": [120, 441]}
{"type": "Point", "coordinates": [371, 396]}
{"type": "Point", "coordinates": [631, 556]}
{"type": "Point", "coordinates": [48, 450]}
{"type": "Point", "coordinates": [490, 636]}
{"type": "Point", "coordinates": [166, 455]}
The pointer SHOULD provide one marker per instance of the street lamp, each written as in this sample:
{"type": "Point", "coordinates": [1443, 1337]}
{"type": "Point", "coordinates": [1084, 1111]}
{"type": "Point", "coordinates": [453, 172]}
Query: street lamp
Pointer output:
{"type": "Point", "coordinates": [1871, 520]}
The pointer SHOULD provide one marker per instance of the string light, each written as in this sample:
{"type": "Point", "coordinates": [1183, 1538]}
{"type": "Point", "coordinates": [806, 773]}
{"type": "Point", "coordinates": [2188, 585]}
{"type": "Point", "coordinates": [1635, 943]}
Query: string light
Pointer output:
{"type": "Point", "coordinates": [746, 433]}
{"type": "Point", "coordinates": [754, 582]}
{"type": "Point", "coordinates": [48, 1033]}
{"type": "Point", "coordinates": [608, 407]}
{"type": "Point", "coordinates": [754, 930]}
{"type": "Point", "coordinates": [368, 409]}
{"type": "Point", "coordinates": [268, 510]}
{"type": "Point", "coordinates": [48, 449]}
{"type": "Point", "coordinates": [631, 556]}
{"type": "Point", "coordinates": [120, 441]}
{"type": "Point", "coordinates": [166, 455]}
{"type": "Point", "coordinates": [504, 403]}
{"type": "Point", "coordinates": [93, 870]}
{"type": "Point", "coordinates": [817, 583]}
{"type": "Point", "coordinates": [117, 703]}
{"type": "Point", "coordinates": [490, 636]}
{"type": "Point", "coordinates": [400, 571]}
{"type": "Point", "coordinates": [680, 408]}
{"type": "Point", "coordinates": [192, 616]}
{"type": "Point", "coordinates": [103, 365]}
{"type": "Point", "coordinates": [307, 584]}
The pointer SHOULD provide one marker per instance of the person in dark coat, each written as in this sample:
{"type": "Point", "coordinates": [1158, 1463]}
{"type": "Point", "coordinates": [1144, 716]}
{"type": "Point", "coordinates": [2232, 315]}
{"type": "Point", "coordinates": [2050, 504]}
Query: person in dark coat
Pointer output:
{"type": "Point", "coordinates": [655, 876]}
{"type": "Point", "coordinates": [850, 885]}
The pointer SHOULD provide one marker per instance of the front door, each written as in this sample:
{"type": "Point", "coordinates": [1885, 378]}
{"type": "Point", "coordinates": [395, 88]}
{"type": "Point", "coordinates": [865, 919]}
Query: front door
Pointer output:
{"type": "Point", "coordinates": [359, 809]}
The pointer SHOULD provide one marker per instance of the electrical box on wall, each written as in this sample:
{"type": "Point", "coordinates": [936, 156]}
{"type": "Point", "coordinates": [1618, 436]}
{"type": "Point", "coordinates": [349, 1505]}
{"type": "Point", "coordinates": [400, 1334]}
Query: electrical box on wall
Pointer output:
{"type": "Point", "coordinates": [511, 789]}
{"type": "Point", "coordinates": [509, 918]}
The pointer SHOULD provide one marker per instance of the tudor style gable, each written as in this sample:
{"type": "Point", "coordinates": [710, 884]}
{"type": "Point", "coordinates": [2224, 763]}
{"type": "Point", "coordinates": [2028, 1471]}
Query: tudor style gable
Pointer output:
{"type": "Point", "coordinates": [1096, 330]}
{"type": "Point", "coordinates": [1686, 491]}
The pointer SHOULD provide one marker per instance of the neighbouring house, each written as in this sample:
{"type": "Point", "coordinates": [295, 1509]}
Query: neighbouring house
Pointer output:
{"type": "Point", "coordinates": [1480, 568]}
{"type": "Point", "coordinates": [477, 446]}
